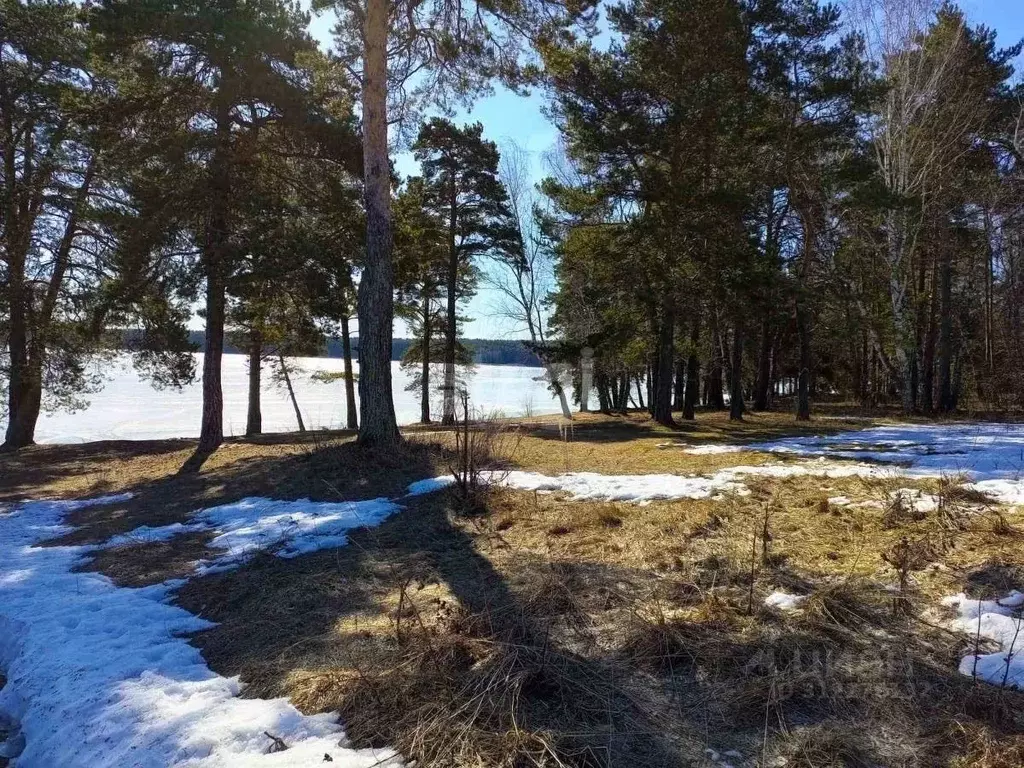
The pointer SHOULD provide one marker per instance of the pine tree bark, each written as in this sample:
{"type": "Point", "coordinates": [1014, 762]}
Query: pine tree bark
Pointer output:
{"type": "Point", "coordinates": [214, 257]}
{"type": "Point", "coordinates": [375, 298]}
{"type": "Point", "coordinates": [291, 392]}
{"type": "Point", "coordinates": [764, 368]}
{"type": "Point", "coordinates": [679, 386]}
{"type": "Point", "coordinates": [947, 397]}
{"type": "Point", "coordinates": [803, 389]}
{"type": "Point", "coordinates": [451, 329]}
{"type": "Point", "coordinates": [351, 414]}
{"type": "Point", "coordinates": [20, 425]}
{"type": "Point", "coordinates": [692, 372]}
{"type": "Point", "coordinates": [254, 417]}
{"type": "Point", "coordinates": [662, 394]}
{"type": "Point", "coordinates": [716, 396]}
{"type": "Point", "coordinates": [428, 331]}
{"type": "Point", "coordinates": [736, 405]}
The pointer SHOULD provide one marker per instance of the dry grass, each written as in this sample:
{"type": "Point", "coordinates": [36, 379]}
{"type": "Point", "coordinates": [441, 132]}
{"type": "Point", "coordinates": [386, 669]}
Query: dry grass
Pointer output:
{"type": "Point", "coordinates": [542, 631]}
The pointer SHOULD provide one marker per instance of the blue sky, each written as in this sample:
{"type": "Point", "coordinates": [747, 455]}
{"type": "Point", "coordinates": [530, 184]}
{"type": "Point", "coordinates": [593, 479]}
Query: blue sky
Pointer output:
{"type": "Point", "coordinates": [506, 115]}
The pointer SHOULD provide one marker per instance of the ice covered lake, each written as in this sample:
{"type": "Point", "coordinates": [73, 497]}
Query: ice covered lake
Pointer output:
{"type": "Point", "coordinates": [129, 408]}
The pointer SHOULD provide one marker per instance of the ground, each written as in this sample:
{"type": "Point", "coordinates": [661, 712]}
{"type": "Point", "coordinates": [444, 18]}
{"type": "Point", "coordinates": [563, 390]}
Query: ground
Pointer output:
{"type": "Point", "coordinates": [520, 628]}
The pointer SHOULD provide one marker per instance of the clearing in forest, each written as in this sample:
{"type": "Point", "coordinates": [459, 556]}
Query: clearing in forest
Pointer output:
{"type": "Point", "coordinates": [614, 593]}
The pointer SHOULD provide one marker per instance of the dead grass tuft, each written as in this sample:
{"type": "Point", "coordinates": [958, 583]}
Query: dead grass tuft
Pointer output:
{"type": "Point", "coordinates": [851, 604]}
{"type": "Point", "coordinates": [900, 510]}
{"type": "Point", "coordinates": [489, 690]}
{"type": "Point", "coordinates": [826, 745]}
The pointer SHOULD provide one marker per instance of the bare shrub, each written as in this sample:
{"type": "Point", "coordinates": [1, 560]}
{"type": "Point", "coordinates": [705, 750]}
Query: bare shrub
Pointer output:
{"type": "Point", "coordinates": [483, 449]}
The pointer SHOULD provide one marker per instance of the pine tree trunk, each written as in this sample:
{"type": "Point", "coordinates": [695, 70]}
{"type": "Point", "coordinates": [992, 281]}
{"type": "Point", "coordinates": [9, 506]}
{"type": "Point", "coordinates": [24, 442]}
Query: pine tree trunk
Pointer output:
{"type": "Point", "coordinates": [291, 391]}
{"type": "Point", "coordinates": [764, 368]}
{"type": "Point", "coordinates": [679, 386]}
{"type": "Point", "coordinates": [928, 356]}
{"type": "Point", "coordinates": [716, 396]}
{"type": "Point", "coordinates": [20, 425]}
{"type": "Point", "coordinates": [803, 390]}
{"type": "Point", "coordinates": [425, 371]}
{"type": "Point", "coordinates": [351, 415]}
{"type": "Point", "coordinates": [736, 405]}
{"type": "Point", "coordinates": [451, 330]}
{"type": "Point", "coordinates": [947, 398]}
{"type": "Point", "coordinates": [378, 425]}
{"type": "Point", "coordinates": [692, 372]}
{"type": "Point", "coordinates": [662, 395]}
{"type": "Point", "coordinates": [254, 417]}
{"type": "Point", "coordinates": [215, 256]}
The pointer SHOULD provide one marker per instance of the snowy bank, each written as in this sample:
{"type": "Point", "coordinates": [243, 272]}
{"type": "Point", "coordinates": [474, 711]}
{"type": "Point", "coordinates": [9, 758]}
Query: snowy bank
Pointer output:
{"type": "Point", "coordinates": [100, 676]}
{"type": "Point", "coordinates": [1000, 622]}
{"type": "Point", "coordinates": [991, 455]}
{"type": "Point", "coordinates": [643, 489]}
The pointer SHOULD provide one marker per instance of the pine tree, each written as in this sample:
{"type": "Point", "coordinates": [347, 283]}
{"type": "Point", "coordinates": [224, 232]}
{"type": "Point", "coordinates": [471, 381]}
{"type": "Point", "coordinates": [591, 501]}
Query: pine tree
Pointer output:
{"type": "Point", "coordinates": [404, 55]}
{"type": "Point", "coordinates": [80, 242]}
{"type": "Point", "coordinates": [421, 265]}
{"type": "Point", "coordinates": [462, 187]}
{"type": "Point", "coordinates": [232, 68]}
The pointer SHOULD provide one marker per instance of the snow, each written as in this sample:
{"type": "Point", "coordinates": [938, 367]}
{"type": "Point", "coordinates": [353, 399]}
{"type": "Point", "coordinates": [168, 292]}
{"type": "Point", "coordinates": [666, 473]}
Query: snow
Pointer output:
{"type": "Point", "coordinates": [285, 528]}
{"type": "Point", "coordinates": [980, 450]}
{"type": "Point", "coordinates": [710, 450]}
{"type": "Point", "coordinates": [144, 534]}
{"type": "Point", "coordinates": [998, 621]}
{"type": "Point", "coordinates": [1005, 491]}
{"type": "Point", "coordinates": [101, 676]}
{"type": "Point", "coordinates": [635, 488]}
{"type": "Point", "coordinates": [784, 601]}
{"type": "Point", "coordinates": [989, 455]}
{"type": "Point", "coordinates": [646, 488]}
{"type": "Point", "coordinates": [429, 485]}
{"type": "Point", "coordinates": [128, 408]}
{"type": "Point", "coordinates": [916, 499]}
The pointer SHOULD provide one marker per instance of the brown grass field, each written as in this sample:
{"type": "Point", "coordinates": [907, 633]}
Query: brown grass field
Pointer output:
{"type": "Point", "coordinates": [529, 629]}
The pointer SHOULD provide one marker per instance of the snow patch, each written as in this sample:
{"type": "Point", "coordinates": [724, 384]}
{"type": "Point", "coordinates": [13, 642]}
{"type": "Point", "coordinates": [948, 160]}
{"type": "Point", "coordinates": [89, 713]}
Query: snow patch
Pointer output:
{"type": "Point", "coordinates": [430, 485]}
{"type": "Point", "coordinates": [710, 450]}
{"type": "Point", "coordinates": [285, 528]}
{"type": "Point", "coordinates": [634, 488]}
{"type": "Point", "coordinates": [784, 601]}
{"type": "Point", "coordinates": [916, 499]}
{"type": "Point", "coordinates": [101, 676]}
{"type": "Point", "coordinates": [1001, 622]}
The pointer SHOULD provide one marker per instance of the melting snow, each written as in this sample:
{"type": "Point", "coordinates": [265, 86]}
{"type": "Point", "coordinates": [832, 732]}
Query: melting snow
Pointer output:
{"type": "Point", "coordinates": [784, 601]}
{"type": "Point", "coordinates": [100, 676]}
{"type": "Point", "coordinates": [990, 454]}
{"type": "Point", "coordinates": [707, 450]}
{"type": "Point", "coordinates": [647, 488]}
{"type": "Point", "coordinates": [636, 488]}
{"type": "Point", "coordinates": [1001, 622]}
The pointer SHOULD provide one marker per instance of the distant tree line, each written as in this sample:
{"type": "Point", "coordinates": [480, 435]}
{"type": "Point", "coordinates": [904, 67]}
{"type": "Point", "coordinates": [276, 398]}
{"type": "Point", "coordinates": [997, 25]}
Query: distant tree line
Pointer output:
{"type": "Point", "coordinates": [752, 199]}
{"type": "Point", "coordinates": [483, 351]}
{"type": "Point", "coordinates": [157, 155]}
{"type": "Point", "coordinates": [810, 206]}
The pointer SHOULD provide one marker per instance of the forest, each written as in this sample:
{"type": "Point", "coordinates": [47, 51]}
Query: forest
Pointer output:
{"type": "Point", "coordinates": [757, 503]}
{"type": "Point", "coordinates": [823, 204]}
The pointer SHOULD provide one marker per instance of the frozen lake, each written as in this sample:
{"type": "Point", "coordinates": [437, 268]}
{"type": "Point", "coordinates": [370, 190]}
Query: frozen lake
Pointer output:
{"type": "Point", "coordinates": [128, 408]}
